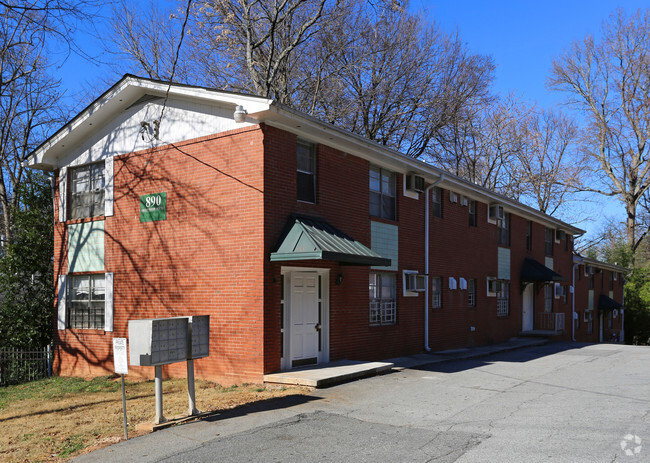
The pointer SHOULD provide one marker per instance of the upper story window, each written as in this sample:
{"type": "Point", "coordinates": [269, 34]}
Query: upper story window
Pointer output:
{"type": "Point", "coordinates": [549, 237]}
{"type": "Point", "coordinates": [306, 172]}
{"type": "Point", "coordinates": [504, 230]}
{"type": "Point", "coordinates": [529, 235]}
{"type": "Point", "coordinates": [87, 191]}
{"type": "Point", "coordinates": [472, 213]}
{"type": "Point", "coordinates": [382, 193]}
{"type": "Point", "coordinates": [436, 209]}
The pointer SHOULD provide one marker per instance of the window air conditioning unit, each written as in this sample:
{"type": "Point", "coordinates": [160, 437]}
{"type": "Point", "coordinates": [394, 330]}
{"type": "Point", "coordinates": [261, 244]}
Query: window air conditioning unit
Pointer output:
{"type": "Point", "coordinates": [415, 282]}
{"type": "Point", "coordinates": [560, 290]}
{"type": "Point", "coordinates": [560, 235]}
{"type": "Point", "coordinates": [464, 201]}
{"type": "Point", "coordinates": [615, 313]}
{"type": "Point", "coordinates": [496, 212]}
{"type": "Point", "coordinates": [494, 286]}
{"type": "Point", "coordinates": [453, 197]}
{"type": "Point", "coordinates": [415, 183]}
{"type": "Point", "coordinates": [590, 269]}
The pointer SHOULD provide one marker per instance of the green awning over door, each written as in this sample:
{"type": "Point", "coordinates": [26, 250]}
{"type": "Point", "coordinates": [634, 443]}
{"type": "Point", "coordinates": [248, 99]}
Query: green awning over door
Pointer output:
{"type": "Point", "coordinates": [307, 238]}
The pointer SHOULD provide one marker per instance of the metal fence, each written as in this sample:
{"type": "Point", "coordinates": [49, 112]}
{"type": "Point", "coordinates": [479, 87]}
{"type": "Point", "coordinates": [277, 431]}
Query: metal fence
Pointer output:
{"type": "Point", "coordinates": [24, 365]}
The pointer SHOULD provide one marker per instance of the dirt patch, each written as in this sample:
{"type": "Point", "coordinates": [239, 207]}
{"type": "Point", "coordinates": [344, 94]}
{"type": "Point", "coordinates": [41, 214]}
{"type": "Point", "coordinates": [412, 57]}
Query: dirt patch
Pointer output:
{"type": "Point", "coordinates": [58, 418]}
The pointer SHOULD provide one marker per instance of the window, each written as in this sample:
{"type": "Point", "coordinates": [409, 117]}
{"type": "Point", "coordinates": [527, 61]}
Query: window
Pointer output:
{"type": "Point", "coordinates": [382, 193]}
{"type": "Point", "coordinates": [611, 280]}
{"type": "Point", "coordinates": [610, 320]}
{"type": "Point", "coordinates": [87, 191]}
{"type": "Point", "coordinates": [591, 280]}
{"type": "Point", "coordinates": [504, 230]}
{"type": "Point", "coordinates": [86, 301]}
{"type": "Point", "coordinates": [548, 241]}
{"type": "Point", "coordinates": [589, 318]}
{"type": "Point", "coordinates": [436, 292]}
{"type": "Point", "coordinates": [436, 208]}
{"type": "Point", "coordinates": [529, 236]}
{"type": "Point", "coordinates": [306, 172]}
{"type": "Point", "coordinates": [382, 299]}
{"type": "Point", "coordinates": [548, 298]}
{"type": "Point", "coordinates": [503, 299]}
{"type": "Point", "coordinates": [472, 213]}
{"type": "Point", "coordinates": [471, 292]}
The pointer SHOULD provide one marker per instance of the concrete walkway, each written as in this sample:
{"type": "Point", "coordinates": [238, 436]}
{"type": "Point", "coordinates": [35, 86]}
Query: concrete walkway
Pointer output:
{"type": "Point", "coordinates": [329, 374]}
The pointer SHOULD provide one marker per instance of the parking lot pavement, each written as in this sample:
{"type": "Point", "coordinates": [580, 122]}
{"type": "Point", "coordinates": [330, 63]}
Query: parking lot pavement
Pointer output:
{"type": "Point", "coordinates": [554, 403]}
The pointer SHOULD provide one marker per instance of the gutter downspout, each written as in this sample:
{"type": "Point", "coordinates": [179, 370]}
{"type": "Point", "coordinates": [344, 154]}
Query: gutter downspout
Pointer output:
{"type": "Point", "coordinates": [426, 261]}
{"type": "Point", "coordinates": [573, 302]}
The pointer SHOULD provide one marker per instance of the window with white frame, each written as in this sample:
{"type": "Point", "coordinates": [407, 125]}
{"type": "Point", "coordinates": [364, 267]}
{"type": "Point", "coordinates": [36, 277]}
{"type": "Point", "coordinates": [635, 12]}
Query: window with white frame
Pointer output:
{"type": "Point", "coordinates": [471, 292]}
{"type": "Point", "coordinates": [383, 309]}
{"type": "Point", "coordinates": [436, 292]}
{"type": "Point", "coordinates": [306, 172]}
{"type": "Point", "coordinates": [86, 301]}
{"type": "Point", "coordinates": [87, 189]}
{"type": "Point", "coordinates": [503, 299]}
{"type": "Point", "coordinates": [382, 193]}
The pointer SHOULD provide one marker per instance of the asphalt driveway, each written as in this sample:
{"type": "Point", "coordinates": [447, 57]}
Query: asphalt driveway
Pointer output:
{"type": "Point", "coordinates": [554, 403]}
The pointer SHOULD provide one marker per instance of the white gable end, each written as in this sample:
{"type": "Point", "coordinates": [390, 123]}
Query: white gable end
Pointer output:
{"type": "Point", "coordinates": [125, 133]}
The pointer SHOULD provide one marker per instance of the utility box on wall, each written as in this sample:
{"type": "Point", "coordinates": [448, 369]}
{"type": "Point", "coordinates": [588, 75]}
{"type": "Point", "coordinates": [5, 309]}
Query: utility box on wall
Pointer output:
{"type": "Point", "coordinates": [158, 341]}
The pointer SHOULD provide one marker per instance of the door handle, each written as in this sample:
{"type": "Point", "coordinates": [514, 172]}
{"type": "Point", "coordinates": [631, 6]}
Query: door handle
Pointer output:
{"type": "Point", "coordinates": [317, 326]}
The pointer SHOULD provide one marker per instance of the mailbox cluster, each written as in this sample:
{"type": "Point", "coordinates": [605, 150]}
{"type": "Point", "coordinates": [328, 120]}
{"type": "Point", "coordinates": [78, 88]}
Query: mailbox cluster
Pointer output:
{"type": "Point", "coordinates": [160, 341]}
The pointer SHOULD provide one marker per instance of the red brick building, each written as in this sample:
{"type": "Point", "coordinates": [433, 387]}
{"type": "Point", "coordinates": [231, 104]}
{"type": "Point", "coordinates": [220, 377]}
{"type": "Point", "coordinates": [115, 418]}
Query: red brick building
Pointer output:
{"type": "Point", "coordinates": [303, 242]}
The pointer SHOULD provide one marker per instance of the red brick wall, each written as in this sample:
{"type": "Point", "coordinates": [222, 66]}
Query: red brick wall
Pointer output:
{"type": "Point", "coordinates": [601, 286]}
{"type": "Point", "coordinates": [205, 258]}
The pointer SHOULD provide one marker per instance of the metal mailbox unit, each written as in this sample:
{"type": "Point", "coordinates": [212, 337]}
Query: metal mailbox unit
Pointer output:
{"type": "Point", "coordinates": [160, 341]}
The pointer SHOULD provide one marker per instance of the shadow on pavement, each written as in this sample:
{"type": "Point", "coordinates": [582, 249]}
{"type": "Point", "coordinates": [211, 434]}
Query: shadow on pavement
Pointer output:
{"type": "Point", "coordinates": [262, 406]}
{"type": "Point", "coordinates": [454, 365]}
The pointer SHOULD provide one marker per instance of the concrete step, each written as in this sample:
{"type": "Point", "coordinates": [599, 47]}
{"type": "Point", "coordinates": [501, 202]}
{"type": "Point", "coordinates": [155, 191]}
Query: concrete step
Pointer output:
{"type": "Point", "coordinates": [328, 374]}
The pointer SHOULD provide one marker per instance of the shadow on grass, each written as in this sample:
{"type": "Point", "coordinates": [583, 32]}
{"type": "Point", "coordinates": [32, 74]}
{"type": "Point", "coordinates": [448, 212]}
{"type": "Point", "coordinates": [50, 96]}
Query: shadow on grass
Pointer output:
{"type": "Point", "coordinates": [71, 407]}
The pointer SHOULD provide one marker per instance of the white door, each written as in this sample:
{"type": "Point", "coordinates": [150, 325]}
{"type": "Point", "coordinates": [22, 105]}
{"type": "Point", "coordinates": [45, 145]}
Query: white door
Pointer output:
{"type": "Point", "coordinates": [304, 319]}
{"type": "Point", "coordinates": [527, 308]}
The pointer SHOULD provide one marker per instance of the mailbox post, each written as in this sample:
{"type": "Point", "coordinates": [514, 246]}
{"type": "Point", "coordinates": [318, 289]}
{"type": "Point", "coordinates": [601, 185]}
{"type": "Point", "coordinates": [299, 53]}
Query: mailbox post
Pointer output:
{"type": "Point", "coordinates": [160, 341]}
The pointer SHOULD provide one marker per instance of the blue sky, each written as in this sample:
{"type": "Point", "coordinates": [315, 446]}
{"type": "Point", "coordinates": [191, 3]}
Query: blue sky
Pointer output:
{"type": "Point", "coordinates": [523, 37]}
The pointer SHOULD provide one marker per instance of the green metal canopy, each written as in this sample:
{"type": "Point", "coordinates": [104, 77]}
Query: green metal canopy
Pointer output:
{"type": "Point", "coordinates": [308, 238]}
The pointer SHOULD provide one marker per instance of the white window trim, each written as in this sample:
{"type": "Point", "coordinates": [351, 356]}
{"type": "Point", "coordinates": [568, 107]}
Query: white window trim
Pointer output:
{"type": "Point", "coordinates": [487, 285]}
{"type": "Point", "coordinates": [63, 193]}
{"type": "Point", "coordinates": [61, 302]}
{"type": "Point", "coordinates": [108, 187]}
{"type": "Point", "coordinates": [108, 302]}
{"type": "Point", "coordinates": [109, 195]}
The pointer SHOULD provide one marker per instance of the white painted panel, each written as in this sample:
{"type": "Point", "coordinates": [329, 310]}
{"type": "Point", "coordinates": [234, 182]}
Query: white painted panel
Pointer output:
{"type": "Point", "coordinates": [86, 246]}
{"type": "Point", "coordinates": [527, 308]}
{"type": "Point", "coordinates": [384, 241]}
{"type": "Point", "coordinates": [504, 264]}
{"type": "Point", "coordinates": [549, 262]}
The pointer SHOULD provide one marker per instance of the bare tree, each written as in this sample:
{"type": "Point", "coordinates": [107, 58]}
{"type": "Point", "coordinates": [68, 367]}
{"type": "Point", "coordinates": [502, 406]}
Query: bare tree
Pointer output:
{"type": "Point", "coordinates": [609, 82]}
{"type": "Point", "coordinates": [549, 169]}
{"type": "Point", "coordinates": [485, 144]}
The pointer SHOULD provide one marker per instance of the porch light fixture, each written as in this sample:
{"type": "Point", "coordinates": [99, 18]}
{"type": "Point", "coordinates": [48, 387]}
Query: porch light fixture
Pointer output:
{"type": "Point", "coordinates": [240, 114]}
{"type": "Point", "coordinates": [339, 279]}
